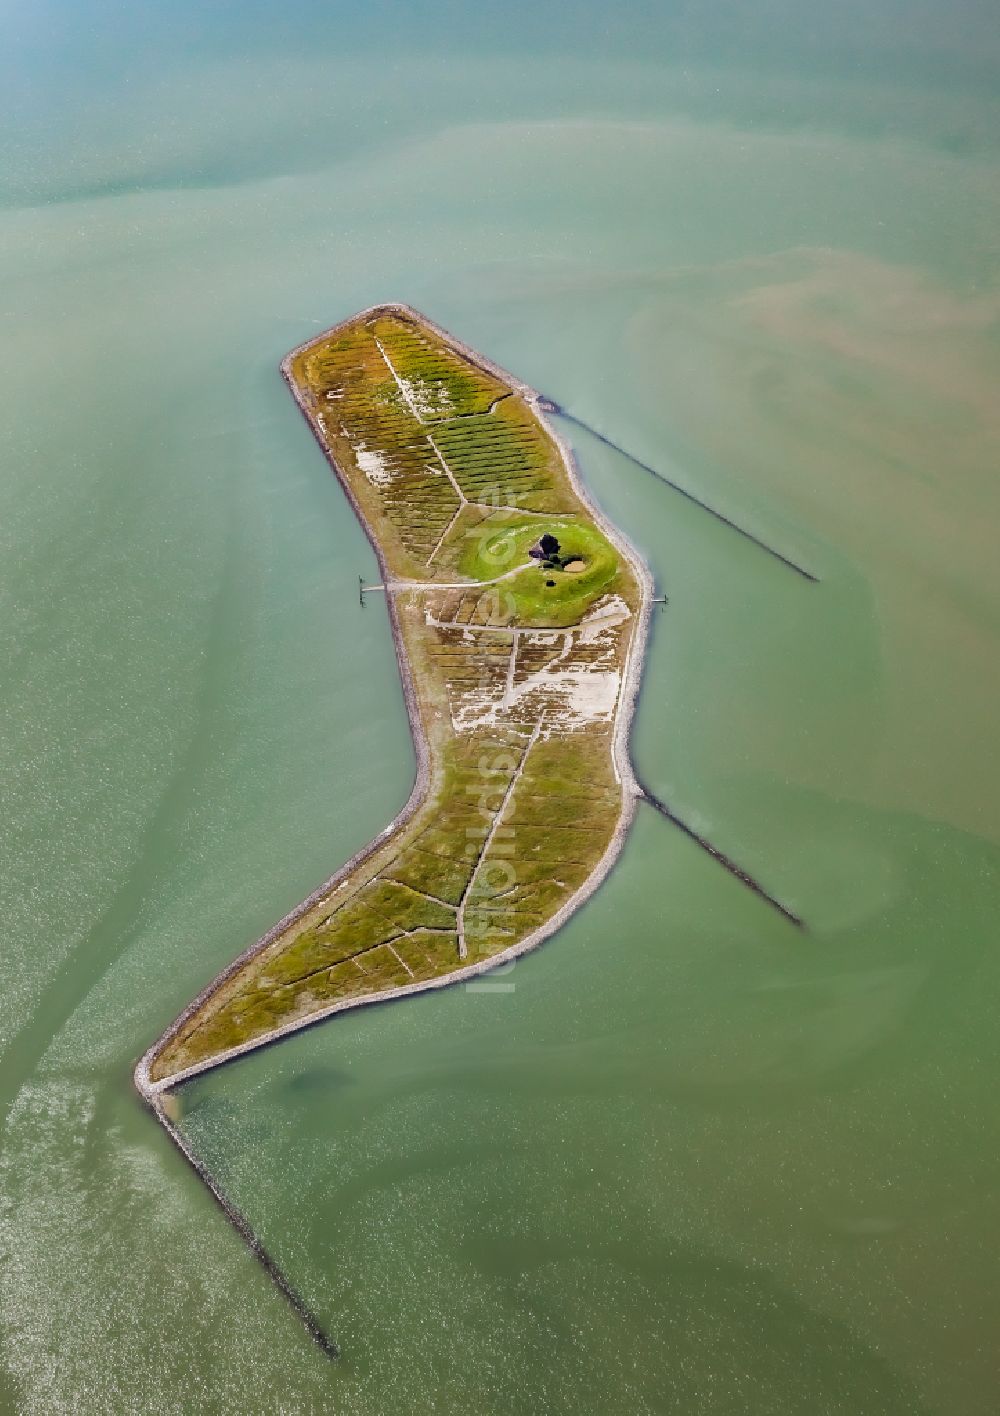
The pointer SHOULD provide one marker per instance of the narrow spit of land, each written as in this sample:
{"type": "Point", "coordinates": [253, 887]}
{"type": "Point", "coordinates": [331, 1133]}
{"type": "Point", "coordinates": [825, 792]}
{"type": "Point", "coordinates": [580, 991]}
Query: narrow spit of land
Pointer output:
{"type": "Point", "coordinates": [519, 616]}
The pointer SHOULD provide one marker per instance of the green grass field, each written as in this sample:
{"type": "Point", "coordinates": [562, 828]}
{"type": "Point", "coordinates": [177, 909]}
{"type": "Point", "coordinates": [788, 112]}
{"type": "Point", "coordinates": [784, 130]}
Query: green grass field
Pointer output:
{"type": "Point", "coordinates": [540, 595]}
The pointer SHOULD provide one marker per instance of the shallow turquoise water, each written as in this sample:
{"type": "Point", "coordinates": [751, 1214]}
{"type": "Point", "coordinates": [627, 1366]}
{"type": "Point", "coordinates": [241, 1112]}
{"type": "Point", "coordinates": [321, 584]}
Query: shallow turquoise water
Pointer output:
{"type": "Point", "coordinates": [692, 1160]}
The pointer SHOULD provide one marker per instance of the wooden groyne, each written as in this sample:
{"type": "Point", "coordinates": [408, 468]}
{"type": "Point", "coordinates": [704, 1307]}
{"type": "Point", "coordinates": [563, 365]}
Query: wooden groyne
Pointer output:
{"type": "Point", "coordinates": [552, 407]}
{"type": "Point", "coordinates": [743, 876]}
{"type": "Point", "coordinates": [240, 1223]}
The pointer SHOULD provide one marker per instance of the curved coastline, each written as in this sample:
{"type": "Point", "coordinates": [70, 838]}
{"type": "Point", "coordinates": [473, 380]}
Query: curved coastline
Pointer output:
{"type": "Point", "coordinates": [154, 1092]}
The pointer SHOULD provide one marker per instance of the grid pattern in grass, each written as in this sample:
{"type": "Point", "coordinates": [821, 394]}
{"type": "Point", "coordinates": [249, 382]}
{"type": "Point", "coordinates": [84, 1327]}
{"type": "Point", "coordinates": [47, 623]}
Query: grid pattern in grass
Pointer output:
{"type": "Point", "coordinates": [366, 418]}
{"type": "Point", "coordinates": [496, 457]}
{"type": "Point", "coordinates": [443, 383]}
{"type": "Point", "coordinates": [500, 458]}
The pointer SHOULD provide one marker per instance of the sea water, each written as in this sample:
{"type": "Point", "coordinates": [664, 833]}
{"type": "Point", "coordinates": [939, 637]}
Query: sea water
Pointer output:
{"type": "Point", "coordinates": [688, 1158]}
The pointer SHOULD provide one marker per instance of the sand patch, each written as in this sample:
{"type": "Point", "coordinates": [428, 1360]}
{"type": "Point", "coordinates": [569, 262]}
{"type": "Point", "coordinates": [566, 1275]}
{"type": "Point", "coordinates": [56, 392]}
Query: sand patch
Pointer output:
{"type": "Point", "coordinates": [571, 695]}
{"type": "Point", "coordinates": [375, 465]}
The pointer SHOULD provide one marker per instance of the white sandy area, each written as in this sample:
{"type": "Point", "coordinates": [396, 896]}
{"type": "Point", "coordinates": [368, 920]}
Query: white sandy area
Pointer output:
{"type": "Point", "coordinates": [374, 465]}
{"type": "Point", "coordinates": [570, 696]}
{"type": "Point", "coordinates": [427, 400]}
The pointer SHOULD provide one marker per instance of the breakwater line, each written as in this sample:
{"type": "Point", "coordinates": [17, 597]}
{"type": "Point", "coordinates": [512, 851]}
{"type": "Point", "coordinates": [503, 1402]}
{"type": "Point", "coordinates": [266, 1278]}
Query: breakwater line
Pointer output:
{"type": "Point", "coordinates": [550, 406]}
{"type": "Point", "coordinates": [743, 876]}
{"type": "Point", "coordinates": [240, 1223]}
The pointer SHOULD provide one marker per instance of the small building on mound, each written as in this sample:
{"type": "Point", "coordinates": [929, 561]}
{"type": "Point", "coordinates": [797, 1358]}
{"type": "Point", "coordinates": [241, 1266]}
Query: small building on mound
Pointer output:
{"type": "Point", "coordinates": [546, 548]}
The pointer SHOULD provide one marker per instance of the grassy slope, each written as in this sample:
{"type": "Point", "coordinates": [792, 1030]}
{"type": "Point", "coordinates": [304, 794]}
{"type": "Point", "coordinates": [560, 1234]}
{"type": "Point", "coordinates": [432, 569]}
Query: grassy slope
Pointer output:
{"type": "Point", "coordinates": [520, 808]}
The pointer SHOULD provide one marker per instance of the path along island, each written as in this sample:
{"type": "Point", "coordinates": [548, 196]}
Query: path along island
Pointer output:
{"type": "Point", "coordinates": [519, 615]}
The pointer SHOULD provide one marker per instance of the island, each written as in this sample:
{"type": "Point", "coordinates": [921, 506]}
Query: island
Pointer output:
{"type": "Point", "coordinates": [519, 615]}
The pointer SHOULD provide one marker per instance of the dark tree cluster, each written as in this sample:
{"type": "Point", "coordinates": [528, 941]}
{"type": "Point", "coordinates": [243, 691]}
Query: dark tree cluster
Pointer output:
{"type": "Point", "coordinates": [547, 551]}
